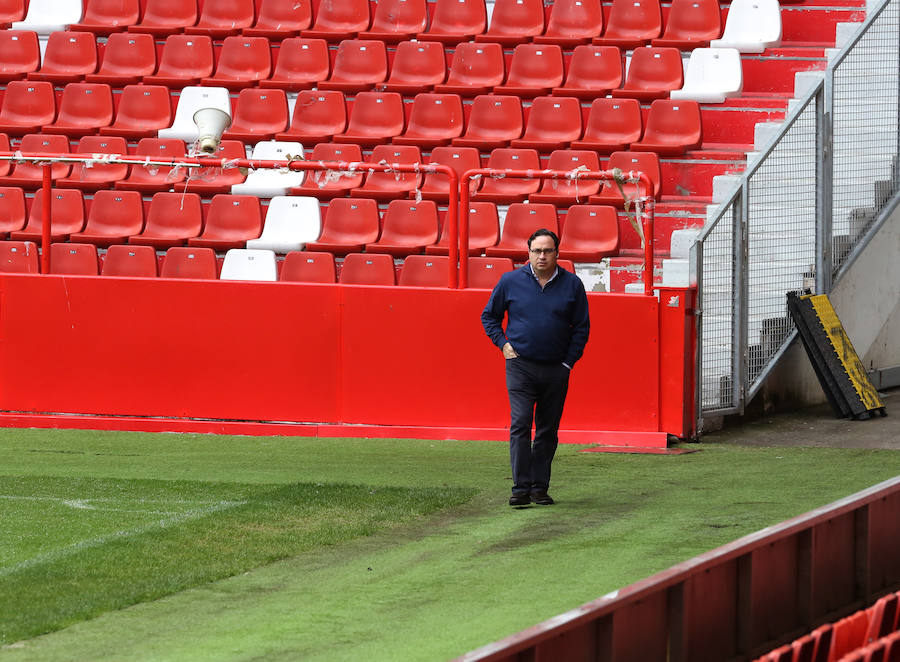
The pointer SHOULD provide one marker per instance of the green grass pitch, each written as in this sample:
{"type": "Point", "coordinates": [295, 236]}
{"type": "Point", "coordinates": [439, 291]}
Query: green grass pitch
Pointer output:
{"type": "Point", "coordinates": [130, 546]}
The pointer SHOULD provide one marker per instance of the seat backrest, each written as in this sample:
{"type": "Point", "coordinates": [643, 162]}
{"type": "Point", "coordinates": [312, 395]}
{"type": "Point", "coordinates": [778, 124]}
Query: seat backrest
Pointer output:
{"type": "Point", "coordinates": [4, 147]}
{"type": "Point", "coordinates": [393, 154]}
{"type": "Point", "coordinates": [308, 267]}
{"type": "Point", "coordinates": [418, 62]}
{"type": "Point", "coordinates": [477, 65]}
{"type": "Point", "coordinates": [694, 20]}
{"type": "Point", "coordinates": [19, 257]}
{"type": "Point", "coordinates": [87, 105]}
{"type": "Point", "coordinates": [66, 211]}
{"type": "Point", "coordinates": [158, 148]}
{"type": "Point", "coordinates": [634, 19]}
{"type": "Point", "coordinates": [484, 225]}
{"type": "Point", "coordinates": [190, 101]}
{"type": "Point", "coordinates": [360, 61]}
{"type": "Point", "coordinates": [495, 117]}
{"type": "Point", "coordinates": [400, 16]}
{"type": "Point", "coordinates": [230, 14]}
{"type": "Point", "coordinates": [168, 16]}
{"type": "Point", "coordinates": [590, 227]}
{"type": "Point", "coordinates": [522, 219]}
{"type": "Point", "coordinates": [249, 264]}
{"type": "Point", "coordinates": [614, 120]}
{"type": "Point", "coordinates": [291, 222]}
{"type": "Point", "coordinates": [237, 217]}
{"type": "Point", "coordinates": [575, 19]}
{"type": "Point", "coordinates": [70, 52]}
{"type": "Point", "coordinates": [407, 222]}
{"type": "Point", "coordinates": [554, 118]}
{"type": "Point", "coordinates": [319, 112]}
{"type": "Point", "coordinates": [48, 16]}
{"type": "Point", "coordinates": [173, 214]}
{"type": "Point", "coordinates": [188, 262]}
{"type": "Point", "coordinates": [646, 162]}
{"type": "Point", "coordinates": [19, 53]}
{"type": "Point", "coordinates": [244, 58]}
{"type": "Point", "coordinates": [437, 115]}
{"type": "Point", "coordinates": [74, 259]}
{"type": "Point", "coordinates": [278, 16]}
{"type": "Point", "coordinates": [368, 269]}
{"type": "Point", "coordinates": [111, 13]}
{"type": "Point", "coordinates": [484, 272]}
{"type": "Point", "coordinates": [267, 182]}
{"type": "Point", "coordinates": [536, 65]}
{"type": "Point", "coordinates": [28, 103]}
{"type": "Point", "coordinates": [516, 18]}
{"type": "Point", "coordinates": [322, 179]}
{"type": "Point", "coordinates": [42, 142]}
{"type": "Point", "coordinates": [127, 54]}
{"type": "Point", "coordinates": [131, 261]}
{"type": "Point", "coordinates": [346, 16]}
{"type": "Point", "coordinates": [12, 209]}
{"type": "Point", "coordinates": [514, 159]}
{"type": "Point", "coordinates": [458, 17]}
{"type": "Point", "coordinates": [425, 271]}
{"type": "Point", "coordinates": [460, 159]}
{"type": "Point", "coordinates": [351, 221]}
{"type": "Point", "coordinates": [115, 214]}
{"type": "Point", "coordinates": [99, 171]}
{"type": "Point", "coordinates": [142, 107]}
{"type": "Point", "coordinates": [712, 75]}
{"type": "Point", "coordinates": [674, 121]}
{"type": "Point", "coordinates": [260, 109]}
{"type": "Point", "coordinates": [751, 26]}
{"type": "Point", "coordinates": [595, 67]}
{"type": "Point", "coordinates": [302, 61]}
{"type": "Point", "coordinates": [655, 68]}
{"type": "Point", "coordinates": [570, 160]}
{"type": "Point", "coordinates": [376, 115]}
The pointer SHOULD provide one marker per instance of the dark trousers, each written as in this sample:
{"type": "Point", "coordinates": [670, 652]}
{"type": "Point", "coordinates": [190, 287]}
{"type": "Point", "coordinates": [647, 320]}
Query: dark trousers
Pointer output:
{"type": "Point", "coordinates": [537, 393]}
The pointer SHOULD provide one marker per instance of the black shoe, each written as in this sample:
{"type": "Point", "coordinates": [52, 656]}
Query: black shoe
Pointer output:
{"type": "Point", "coordinates": [542, 498]}
{"type": "Point", "coordinates": [520, 500]}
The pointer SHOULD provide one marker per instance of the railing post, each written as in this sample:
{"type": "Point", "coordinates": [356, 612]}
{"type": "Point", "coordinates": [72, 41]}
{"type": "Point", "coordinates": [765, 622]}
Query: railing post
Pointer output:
{"type": "Point", "coordinates": [46, 188]}
{"type": "Point", "coordinates": [824, 185]}
{"type": "Point", "coordinates": [739, 310]}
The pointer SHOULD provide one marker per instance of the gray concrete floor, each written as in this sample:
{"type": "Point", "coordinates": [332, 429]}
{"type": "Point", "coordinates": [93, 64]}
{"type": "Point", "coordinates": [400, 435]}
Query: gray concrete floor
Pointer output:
{"type": "Point", "coordinates": [816, 426]}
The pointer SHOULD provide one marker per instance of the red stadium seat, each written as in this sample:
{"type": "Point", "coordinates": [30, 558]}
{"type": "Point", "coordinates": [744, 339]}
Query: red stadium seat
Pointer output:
{"type": "Point", "coordinates": [652, 74]}
{"type": "Point", "coordinates": [692, 24]}
{"type": "Point", "coordinates": [368, 269]}
{"type": "Point", "coordinates": [475, 69]}
{"type": "Point", "coordinates": [612, 125]}
{"type": "Point", "coordinates": [436, 186]}
{"type": "Point", "coordinates": [166, 17]}
{"type": "Point", "coordinates": [155, 178]}
{"type": "Point", "coordinates": [407, 228]}
{"type": "Point", "coordinates": [456, 21]}
{"type": "Point", "coordinates": [646, 162]}
{"type": "Point", "coordinates": [349, 225]}
{"type": "Point", "coordinates": [12, 210]}
{"type": "Point", "coordinates": [849, 634]}
{"type": "Point", "coordinates": [97, 175]}
{"type": "Point", "coordinates": [278, 19]}
{"type": "Point", "coordinates": [514, 21]}
{"type": "Point", "coordinates": [222, 18]}
{"type": "Point", "coordinates": [425, 271]}
{"type": "Point", "coordinates": [593, 72]}
{"type": "Point", "coordinates": [376, 117]}
{"type": "Point", "coordinates": [418, 66]}
{"type": "Point", "coordinates": [535, 69]}
{"type": "Point", "coordinates": [230, 221]}
{"type": "Point", "coordinates": [30, 175]}
{"type": "Point", "coordinates": [336, 21]}
{"type": "Point", "coordinates": [484, 230]}
{"type": "Point", "coordinates": [436, 119]}
{"type": "Point", "coordinates": [590, 233]}
{"type": "Point", "coordinates": [390, 185]}
{"type": "Point", "coordinates": [308, 267]}
{"type": "Point", "coordinates": [360, 64]}
{"type": "Point", "coordinates": [27, 106]}
{"type": "Point", "coordinates": [258, 115]}
{"type": "Point", "coordinates": [301, 64]}
{"type": "Point", "coordinates": [19, 257]}
{"type": "Point", "coordinates": [484, 272]}
{"type": "Point", "coordinates": [130, 261]}
{"type": "Point", "coordinates": [509, 189]}
{"type": "Point", "coordinates": [20, 54]}
{"type": "Point", "coordinates": [522, 219]}
{"type": "Point", "coordinates": [66, 216]}
{"type": "Point", "coordinates": [632, 23]}
{"type": "Point", "coordinates": [127, 58]}
{"type": "Point", "coordinates": [323, 184]}
{"type": "Point", "coordinates": [188, 262]}
{"type": "Point", "coordinates": [552, 122]}
{"type": "Point", "coordinates": [74, 259]}
{"type": "Point", "coordinates": [83, 109]}
{"type": "Point", "coordinates": [143, 110]}
{"type": "Point", "coordinates": [172, 219]}
{"type": "Point", "coordinates": [114, 216]}
{"type": "Point", "coordinates": [108, 16]}
{"type": "Point", "coordinates": [11, 11]}
{"type": "Point", "coordinates": [68, 57]}
{"type": "Point", "coordinates": [882, 617]}
{"type": "Point", "coordinates": [494, 121]}
{"type": "Point", "coordinates": [569, 191]}
{"type": "Point", "coordinates": [4, 147]}
{"type": "Point", "coordinates": [397, 20]}
{"type": "Point", "coordinates": [243, 62]}
{"type": "Point", "coordinates": [572, 22]}
{"type": "Point", "coordinates": [318, 115]}
{"type": "Point", "coordinates": [673, 127]}
{"type": "Point", "coordinates": [214, 179]}
{"type": "Point", "coordinates": [185, 60]}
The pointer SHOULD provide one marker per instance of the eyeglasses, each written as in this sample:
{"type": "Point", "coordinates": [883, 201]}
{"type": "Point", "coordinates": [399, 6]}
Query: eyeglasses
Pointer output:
{"type": "Point", "coordinates": [542, 251]}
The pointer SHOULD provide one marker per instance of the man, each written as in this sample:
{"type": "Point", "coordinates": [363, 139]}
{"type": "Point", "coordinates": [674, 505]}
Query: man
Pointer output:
{"type": "Point", "coordinates": [546, 331]}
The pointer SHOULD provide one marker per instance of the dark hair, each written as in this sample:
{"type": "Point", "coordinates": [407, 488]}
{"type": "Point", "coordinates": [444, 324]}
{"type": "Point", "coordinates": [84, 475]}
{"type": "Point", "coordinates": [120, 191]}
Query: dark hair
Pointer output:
{"type": "Point", "coordinates": [544, 232]}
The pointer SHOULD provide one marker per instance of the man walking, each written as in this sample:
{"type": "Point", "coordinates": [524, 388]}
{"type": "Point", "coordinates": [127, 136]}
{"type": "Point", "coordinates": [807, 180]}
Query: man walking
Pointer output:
{"type": "Point", "coordinates": [546, 331]}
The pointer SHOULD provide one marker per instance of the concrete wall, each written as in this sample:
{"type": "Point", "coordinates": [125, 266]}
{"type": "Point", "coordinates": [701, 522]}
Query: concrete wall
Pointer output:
{"type": "Point", "coordinates": [867, 300]}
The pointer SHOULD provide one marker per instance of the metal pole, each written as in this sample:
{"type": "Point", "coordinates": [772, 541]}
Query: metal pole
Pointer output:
{"type": "Point", "coordinates": [46, 192]}
{"type": "Point", "coordinates": [824, 184]}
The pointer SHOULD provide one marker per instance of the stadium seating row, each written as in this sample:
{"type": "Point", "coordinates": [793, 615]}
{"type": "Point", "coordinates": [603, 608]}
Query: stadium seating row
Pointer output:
{"type": "Point", "coordinates": [249, 264]}
{"type": "Point", "coordinates": [588, 232]}
{"type": "Point", "coordinates": [451, 21]}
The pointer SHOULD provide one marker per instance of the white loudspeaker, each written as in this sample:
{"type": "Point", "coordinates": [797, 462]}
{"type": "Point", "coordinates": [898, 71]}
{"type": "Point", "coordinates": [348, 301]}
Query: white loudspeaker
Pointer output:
{"type": "Point", "coordinates": [211, 123]}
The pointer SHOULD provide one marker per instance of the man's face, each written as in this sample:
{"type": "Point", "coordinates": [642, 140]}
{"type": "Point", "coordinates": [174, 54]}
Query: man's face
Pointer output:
{"type": "Point", "coordinates": [542, 255]}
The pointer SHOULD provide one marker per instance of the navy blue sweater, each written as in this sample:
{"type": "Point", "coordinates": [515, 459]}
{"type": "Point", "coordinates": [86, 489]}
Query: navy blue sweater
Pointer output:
{"type": "Point", "coordinates": [548, 325]}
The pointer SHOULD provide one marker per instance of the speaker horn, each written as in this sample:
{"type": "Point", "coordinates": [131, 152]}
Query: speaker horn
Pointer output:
{"type": "Point", "coordinates": [211, 123]}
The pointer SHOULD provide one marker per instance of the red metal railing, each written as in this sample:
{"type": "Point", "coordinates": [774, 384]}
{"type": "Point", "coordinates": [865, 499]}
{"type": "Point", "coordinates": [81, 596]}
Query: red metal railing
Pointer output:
{"type": "Point", "coordinates": [457, 224]}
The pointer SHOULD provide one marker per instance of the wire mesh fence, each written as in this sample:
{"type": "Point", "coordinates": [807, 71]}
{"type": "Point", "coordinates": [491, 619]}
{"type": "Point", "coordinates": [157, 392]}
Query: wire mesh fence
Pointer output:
{"type": "Point", "coordinates": [800, 208]}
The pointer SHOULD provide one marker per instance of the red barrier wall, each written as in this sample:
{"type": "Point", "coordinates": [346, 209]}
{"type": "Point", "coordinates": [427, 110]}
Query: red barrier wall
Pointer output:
{"type": "Point", "coordinates": [323, 354]}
